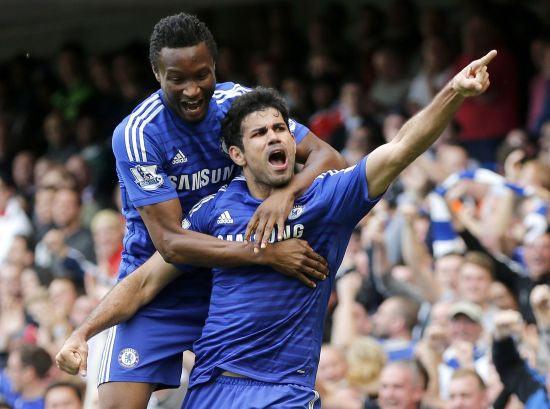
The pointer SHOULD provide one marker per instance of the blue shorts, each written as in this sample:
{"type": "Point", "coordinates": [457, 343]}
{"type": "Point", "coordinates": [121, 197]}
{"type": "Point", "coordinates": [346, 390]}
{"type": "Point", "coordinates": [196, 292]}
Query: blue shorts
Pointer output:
{"type": "Point", "coordinates": [148, 348]}
{"type": "Point", "coordinates": [243, 393]}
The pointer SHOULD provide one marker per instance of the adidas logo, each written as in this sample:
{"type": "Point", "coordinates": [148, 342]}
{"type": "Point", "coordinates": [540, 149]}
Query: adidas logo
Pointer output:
{"type": "Point", "coordinates": [225, 218]}
{"type": "Point", "coordinates": [179, 158]}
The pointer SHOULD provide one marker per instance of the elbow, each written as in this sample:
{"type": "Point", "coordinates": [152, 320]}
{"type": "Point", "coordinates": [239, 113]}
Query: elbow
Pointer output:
{"type": "Point", "coordinates": [331, 158]}
{"type": "Point", "coordinates": [168, 254]}
{"type": "Point", "coordinates": [166, 248]}
{"type": "Point", "coordinates": [337, 159]}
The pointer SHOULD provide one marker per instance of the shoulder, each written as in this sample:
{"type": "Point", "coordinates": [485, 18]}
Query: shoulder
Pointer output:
{"type": "Point", "coordinates": [332, 173]}
{"type": "Point", "coordinates": [226, 92]}
{"type": "Point", "coordinates": [208, 202]}
{"type": "Point", "coordinates": [144, 120]}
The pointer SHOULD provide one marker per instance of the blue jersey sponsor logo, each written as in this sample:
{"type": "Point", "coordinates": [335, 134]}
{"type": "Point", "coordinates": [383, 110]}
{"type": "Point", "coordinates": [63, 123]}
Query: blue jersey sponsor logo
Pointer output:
{"type": "Point", "coordinates": [201, 178]}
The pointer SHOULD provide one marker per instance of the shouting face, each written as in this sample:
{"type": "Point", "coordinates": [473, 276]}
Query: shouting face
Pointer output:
{"type": "Point", "coordinates": [269, 149]}
{"type": "Point", "coordinates": [186, 76]}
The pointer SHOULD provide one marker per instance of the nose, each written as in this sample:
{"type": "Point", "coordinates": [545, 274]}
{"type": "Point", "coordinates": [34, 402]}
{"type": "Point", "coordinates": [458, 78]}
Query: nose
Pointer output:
{"type": "Point", "coordinates": [273, 137]}
{"type": "Point", "coordinates": [191, 90]}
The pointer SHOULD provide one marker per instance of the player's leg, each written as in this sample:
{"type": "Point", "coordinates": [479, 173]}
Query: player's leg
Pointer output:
{"type": "Point", "coordinates": [243, 393]}
{"type": "Point", "coordinates": [124, 395]}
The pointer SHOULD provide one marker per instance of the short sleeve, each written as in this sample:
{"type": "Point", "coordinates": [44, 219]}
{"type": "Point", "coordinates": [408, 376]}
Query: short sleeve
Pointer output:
{"type": "Point", "coordinates": [297, 129]}
{"type": "Point", "coordinates": [140, 166]}
{"type": "Point", "coordinates": [198, 217]}
{"type": "Point", "coordinates": [346, 194]}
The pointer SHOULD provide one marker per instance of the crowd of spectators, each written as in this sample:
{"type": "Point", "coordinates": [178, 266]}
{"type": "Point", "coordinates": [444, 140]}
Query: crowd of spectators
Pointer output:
{"type": "Point", "coordinates": [443, 298]}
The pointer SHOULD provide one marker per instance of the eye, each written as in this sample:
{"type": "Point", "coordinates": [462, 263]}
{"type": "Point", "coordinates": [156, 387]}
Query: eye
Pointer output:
{"type": "Point", "coordinates": [259, 132]}
{"type": "Point", "coordinates": [203, 75]}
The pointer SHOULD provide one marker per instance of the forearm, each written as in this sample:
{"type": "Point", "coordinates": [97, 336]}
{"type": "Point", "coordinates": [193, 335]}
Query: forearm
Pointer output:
{"type": "Point", "coordinates": [502, 271]}
{"type": "Point", "coordinates": [380, 264]}
{"type": "Point", "coordinates": [416, 256]}
{"type": "Point", "coordinates": [130, 294]}
{"type": "Point", "coordinates": [317, 162]}
{"type": "Point", "coordinates": [424, 128]}
{"type": "Point", "coordinates": [387, 161]}
{"type": "Point", "coordinates": [198, 249]}
{"type": "Point", "coordinates": [513, 371]}
{"type": "Point", "coordinates": [344, 329]}
{"type": "Point", "coordinates": [120, 304]}
{"type": "Point", "coordinates": [498, 218]}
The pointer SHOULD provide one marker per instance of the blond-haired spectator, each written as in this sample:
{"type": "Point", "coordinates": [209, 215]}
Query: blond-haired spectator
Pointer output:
{"type": "Point", "coordinates": [107, 228]}
{"type": "Point", "coordinates": [366, 359]}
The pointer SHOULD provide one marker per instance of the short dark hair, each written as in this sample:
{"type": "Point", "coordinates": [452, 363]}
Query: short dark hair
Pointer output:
{"type": "Point", "coordinates": [180, 30]}
{"type": "Point", "coordinates": [258, 99]}
{"type": "Point", "coordinates": [35, 357]}
{"type": "Point", "coordinates": [63, 384]}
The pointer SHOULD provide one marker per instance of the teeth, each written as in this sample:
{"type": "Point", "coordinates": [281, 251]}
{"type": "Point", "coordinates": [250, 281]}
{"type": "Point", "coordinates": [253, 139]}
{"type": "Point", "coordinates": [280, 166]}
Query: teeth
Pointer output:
{"type": "Point", "coordinates": [191, 105]}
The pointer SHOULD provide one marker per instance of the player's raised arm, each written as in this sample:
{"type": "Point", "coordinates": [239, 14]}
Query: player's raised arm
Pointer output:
{"type": "Point", "coordinates": [317, 157]}
{"type": "Point", "coordinates": [121, 303]}
{"type": "Point", "coordinates": [386, 162]}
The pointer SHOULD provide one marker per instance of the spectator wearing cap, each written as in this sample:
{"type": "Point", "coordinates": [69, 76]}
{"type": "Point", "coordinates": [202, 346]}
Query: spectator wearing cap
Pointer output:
{"type": "Point", "coordinates": [24, 381]}
{"type": "Point", "coordinates": [13, 220]}
{"type": "Point", "coordinates": [467, 391]}
{"type": "Point", "coordinates": [467, 349]}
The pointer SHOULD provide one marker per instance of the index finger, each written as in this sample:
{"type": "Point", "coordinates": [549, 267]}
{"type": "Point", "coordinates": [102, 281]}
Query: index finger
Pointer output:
{"type": "Point", "coordinates": [314, 256]}
{"type": "Point", "coordinates": [251, 227]}
{"type": "Point", "coordinates": [486, 59]}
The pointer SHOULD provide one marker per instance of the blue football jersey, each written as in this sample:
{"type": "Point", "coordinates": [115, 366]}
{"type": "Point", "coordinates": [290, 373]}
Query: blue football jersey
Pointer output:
{"type": "Point", "coordinates": [262, 324]}
{"type": "Point", "coordinates": [161, 157]}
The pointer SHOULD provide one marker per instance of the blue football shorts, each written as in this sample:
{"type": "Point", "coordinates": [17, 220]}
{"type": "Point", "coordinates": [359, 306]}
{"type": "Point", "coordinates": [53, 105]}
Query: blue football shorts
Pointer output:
{"type": "Point", "coordinates": [148, 348]}
{"type": "Point", "coordinates": [244, 393]}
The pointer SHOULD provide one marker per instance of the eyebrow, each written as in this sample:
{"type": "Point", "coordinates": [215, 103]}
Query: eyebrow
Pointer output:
{"type": "Point", "coordinates": [281, 123]}
{"type": "Point", "coordinates": [261, 128]}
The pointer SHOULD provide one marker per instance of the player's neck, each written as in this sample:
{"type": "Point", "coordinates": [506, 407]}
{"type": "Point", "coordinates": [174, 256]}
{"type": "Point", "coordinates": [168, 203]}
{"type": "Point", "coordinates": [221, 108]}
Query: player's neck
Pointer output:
{"type": "Point", "coordinates": [257, 189]}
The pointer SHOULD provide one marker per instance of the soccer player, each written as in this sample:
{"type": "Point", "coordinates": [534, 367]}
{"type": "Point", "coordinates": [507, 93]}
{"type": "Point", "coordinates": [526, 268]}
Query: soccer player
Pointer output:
{"type": "Point", "coordinates": [168, 156]}
{"type": "Point", "coordinates": [260, 343]}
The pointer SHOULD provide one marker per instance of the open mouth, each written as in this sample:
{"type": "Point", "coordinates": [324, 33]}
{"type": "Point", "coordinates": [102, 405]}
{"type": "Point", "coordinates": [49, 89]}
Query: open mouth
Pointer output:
{"type": "Point", "coordinates": [278, 159]}
{"type": "Point", "coordinates": [191, 107]}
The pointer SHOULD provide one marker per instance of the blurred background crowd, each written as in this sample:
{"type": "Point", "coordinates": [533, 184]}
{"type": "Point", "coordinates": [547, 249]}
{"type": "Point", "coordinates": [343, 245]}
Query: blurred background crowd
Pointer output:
{"type": "Point", "coordinates": [443, 298]}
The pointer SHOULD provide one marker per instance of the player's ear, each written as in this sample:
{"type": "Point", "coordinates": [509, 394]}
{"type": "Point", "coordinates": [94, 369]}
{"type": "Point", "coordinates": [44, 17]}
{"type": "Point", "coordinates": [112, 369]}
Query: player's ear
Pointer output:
{"type": "Point", "coordinates": [237, 156]}
{"type": "Point", "coordinates": [156, 72]}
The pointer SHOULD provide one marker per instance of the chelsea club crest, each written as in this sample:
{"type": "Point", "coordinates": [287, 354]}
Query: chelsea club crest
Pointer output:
{"type": "Point", "coordinates": [128, 358]}
{"type": "Point", "coordinates": [296, 212]}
